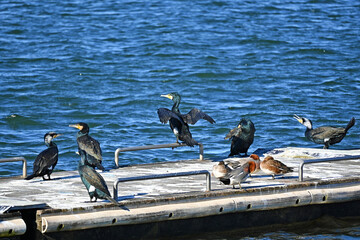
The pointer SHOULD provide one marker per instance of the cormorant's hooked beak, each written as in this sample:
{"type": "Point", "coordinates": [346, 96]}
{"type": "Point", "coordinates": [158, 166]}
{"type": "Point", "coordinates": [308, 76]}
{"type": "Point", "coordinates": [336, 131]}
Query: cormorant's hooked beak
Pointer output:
{"type": "Point", "coordinates": [300, 119]}
{"type": "Point", "coordinates": [55, 136]}
{"type": "Point", "coordinates": [76, 126]}
{"type": "Point", "coordinates": [167, 96]}
{"type": "Point", "coordinates": [239, 126]}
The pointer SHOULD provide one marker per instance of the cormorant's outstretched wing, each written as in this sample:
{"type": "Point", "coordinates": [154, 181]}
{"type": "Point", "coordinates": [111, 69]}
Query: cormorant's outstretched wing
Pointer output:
{"type": "Point", "coordinates": [90, 146]}
{"type": "Point", "coordinates": [165, 115]}
{"type": "Point", "coordinates": [194, 115]}
{"type": "Point", "coordinates": [233, 132]}
{"type": "Point", "coordinates": [94, 178]}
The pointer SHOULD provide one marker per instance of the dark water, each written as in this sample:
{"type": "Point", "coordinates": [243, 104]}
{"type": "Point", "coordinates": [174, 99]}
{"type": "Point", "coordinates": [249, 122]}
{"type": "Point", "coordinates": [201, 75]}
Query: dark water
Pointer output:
{"type": "Point", "coordinates": [323, 228]}
{"type": "Point", "coordinates": [107, 62]}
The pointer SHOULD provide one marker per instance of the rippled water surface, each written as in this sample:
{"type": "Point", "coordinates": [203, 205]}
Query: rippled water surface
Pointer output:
{"type": "Point", "coordinates": [107, 63]}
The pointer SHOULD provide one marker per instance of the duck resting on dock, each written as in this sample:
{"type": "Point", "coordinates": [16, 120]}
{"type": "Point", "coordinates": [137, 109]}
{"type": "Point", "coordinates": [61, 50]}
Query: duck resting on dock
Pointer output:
{"type": "Point", "coordinates": [179, 122]}
{"type": "Point", "coordinates": [326, 135]}
{"type": "Point", "coordinates": [241, 137]}
{"type": "Point", "coordinates": [89, 145]}
{"type": "Point", "coordinates": [46, 159]}
{"type": "Point", "coordinates": [236, 173]}
{"type": "Point", "coordinates": [93, 181]}
{"type": "Point", "coordinates": [274, 167]}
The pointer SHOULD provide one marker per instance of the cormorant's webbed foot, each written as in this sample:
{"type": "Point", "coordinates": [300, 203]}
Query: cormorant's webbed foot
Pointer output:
{"type": "Point", "coordinates": [47, 178]}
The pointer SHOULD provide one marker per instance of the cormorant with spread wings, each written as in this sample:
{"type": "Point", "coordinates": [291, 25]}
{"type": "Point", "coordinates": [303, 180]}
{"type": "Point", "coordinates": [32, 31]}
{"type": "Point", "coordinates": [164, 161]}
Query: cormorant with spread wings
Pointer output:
{"type": "Point", "coordinates": [179, 122]}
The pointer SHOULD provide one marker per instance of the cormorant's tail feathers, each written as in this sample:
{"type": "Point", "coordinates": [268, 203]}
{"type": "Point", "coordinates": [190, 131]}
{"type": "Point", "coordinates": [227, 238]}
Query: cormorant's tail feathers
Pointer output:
{"type": "Point", "coordinates": [116, 203]}
{"type": "Point", "coordinates": [112, 200]}
{"type": "Point", "coordinates": [101, 167]}
{"type": "Point", "coordinates": [30, 177]}
{"type": "Point", "coordinates": [190, 141]}
{"type": "Point", "coordinates": [350, 124]}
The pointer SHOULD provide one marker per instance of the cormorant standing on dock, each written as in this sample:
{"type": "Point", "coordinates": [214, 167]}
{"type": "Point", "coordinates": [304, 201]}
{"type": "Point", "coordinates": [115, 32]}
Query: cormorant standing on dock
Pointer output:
{"type": "Point", "coordinates": [46, 159]}
{"type": "Point", "coordinates": [93, 181]}
{"type": "Point", "coordinates": [179, 122]}
{"type": "Point", "coordinates": [326, 135]}
{"type": "Point", "coordinates": [90, 146]}
{"type": "Point", "coordinates": [241, 137]}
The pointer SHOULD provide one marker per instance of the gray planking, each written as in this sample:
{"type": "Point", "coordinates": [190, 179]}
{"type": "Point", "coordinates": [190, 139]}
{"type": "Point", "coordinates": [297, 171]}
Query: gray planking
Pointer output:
{"type": "Point", "coordinates": [66, 190]}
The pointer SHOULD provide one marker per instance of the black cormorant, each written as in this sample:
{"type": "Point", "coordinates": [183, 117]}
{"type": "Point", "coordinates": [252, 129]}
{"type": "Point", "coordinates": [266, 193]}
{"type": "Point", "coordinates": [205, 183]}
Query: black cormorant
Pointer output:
{"type": "Point", "coordinates": [179, 122]}
{"type": "Point", "coordinates": [91, 147]}
{"type": "Point", "coordinates": [93, 181]}
{"type": "Point", "coordinates": [241, 137]}
{"type": "Point", "coordinates": [46, 159]}
{"type": "Point", "coordinates": [326, 135]}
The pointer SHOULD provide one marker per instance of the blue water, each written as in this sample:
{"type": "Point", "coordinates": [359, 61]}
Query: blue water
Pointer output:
{"type": "Point", "coordinates": [107, 63]}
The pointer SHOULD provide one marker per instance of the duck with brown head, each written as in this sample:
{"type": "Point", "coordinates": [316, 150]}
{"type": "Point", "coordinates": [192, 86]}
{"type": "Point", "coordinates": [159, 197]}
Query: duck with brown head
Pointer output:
{"type": "Point", "coordinates": [233, 174]}
{"type": "Point", "coordinates": [274, 167]}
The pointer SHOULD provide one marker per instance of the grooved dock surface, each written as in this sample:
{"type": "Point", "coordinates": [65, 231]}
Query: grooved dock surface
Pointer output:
{"type": "Point", "coordinates": [66, 191]}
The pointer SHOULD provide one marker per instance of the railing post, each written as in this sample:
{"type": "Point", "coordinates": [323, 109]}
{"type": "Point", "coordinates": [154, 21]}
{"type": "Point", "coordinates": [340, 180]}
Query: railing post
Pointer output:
{"type": "Point", "coordinates": [301, 171]}
{"type": "Point", "coordinates": [115, 190]}
{"type": "Point", "coordinates": [17, 159]}
{"type": "Point", "coordinates": [117, 151]}
{"type": "Point", "coordinates": [201, 150]}
{"type": "Point", "coordinates": [24, 168]}
{"type": "Point", "coordinates": [208, 182]}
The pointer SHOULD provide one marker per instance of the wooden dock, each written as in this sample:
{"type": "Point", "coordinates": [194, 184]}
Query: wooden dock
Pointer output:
{"type": "Point", "coordinates": [154, 208]}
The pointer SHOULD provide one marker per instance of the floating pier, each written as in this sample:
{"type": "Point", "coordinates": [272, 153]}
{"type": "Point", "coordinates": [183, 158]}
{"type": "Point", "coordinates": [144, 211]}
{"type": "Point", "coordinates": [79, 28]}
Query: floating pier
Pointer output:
{"type": "Point", "coordinates": [180, 198]}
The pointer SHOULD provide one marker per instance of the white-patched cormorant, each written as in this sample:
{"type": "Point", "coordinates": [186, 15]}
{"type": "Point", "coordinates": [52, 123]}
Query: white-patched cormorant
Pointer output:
{"type": "Point", "coordinates": [93, 181]}
{"type": "Point", "coordinates": [46, 159]}
{"type": "Point", "coordinates": [326, 135]}
{"type": "Point", "coordinates": [91, 147]}
{"type": "Point", "coordinates": [179, 122]}
{"type": "Point", "coordinates": [241, 137]}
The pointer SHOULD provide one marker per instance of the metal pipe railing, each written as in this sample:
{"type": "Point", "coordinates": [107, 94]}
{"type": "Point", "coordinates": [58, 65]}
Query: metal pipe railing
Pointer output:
{"type": "Point", "coordinates": [159, 176]}
{"type": "Point", "coordinates": [147, 147]}
{"type": "Point", "coordinates": [311, 161]}
{"type": "Point", "coordinates": [17, 159]}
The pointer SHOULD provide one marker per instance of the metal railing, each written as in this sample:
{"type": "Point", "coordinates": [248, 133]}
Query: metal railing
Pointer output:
{"type": "Point", "coordinates": [147, 147]}
{"type": "Point", "coordinates": [159, 176]}
{"type": "Point", "coordinates": [17, 159]}
{"type": "Point", "coordinates": [311, 161]}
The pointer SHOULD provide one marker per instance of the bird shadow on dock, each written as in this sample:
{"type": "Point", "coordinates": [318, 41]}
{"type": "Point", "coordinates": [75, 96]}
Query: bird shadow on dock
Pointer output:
{"type": "Point", "coordinates": [278, 177]}
{"type": "Point", "coordinates": [122, 198]}
{"type": "Point", "coordinates": [106, 201]}
{"type": "Point", "coordinates": [55, 179]}
{"type": "Point", "coordinates": [67, 177]}
{"type": "Point", "coordinates": [262, 186]}
{"type": "Point", "coordinates": [287, 177]}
